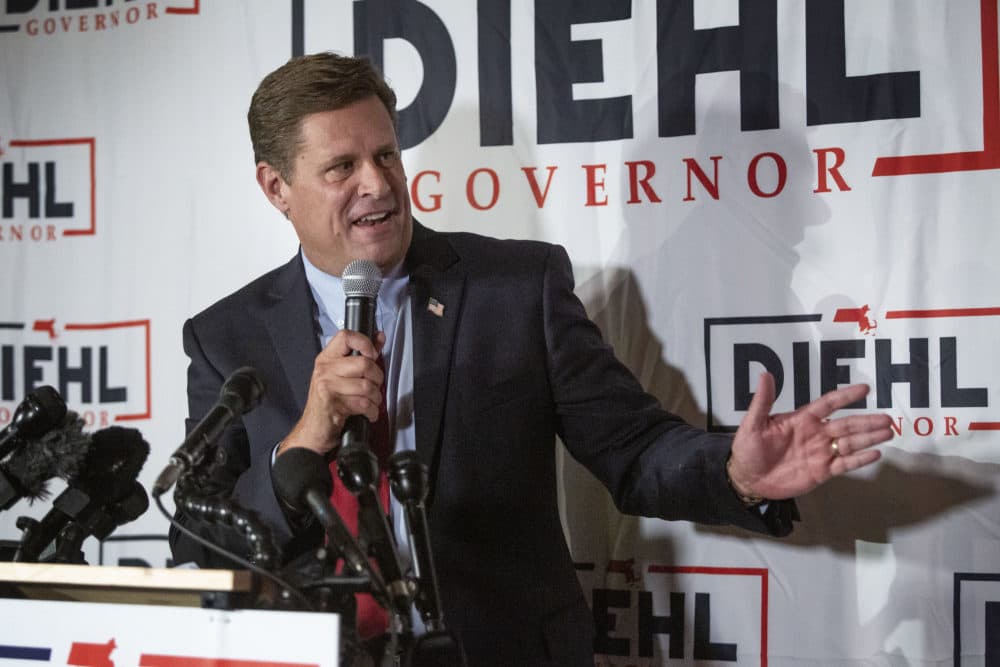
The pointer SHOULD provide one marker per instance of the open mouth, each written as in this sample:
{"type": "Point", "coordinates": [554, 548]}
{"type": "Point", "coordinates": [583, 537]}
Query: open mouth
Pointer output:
{"type": "Point", "coordinates": [373, 219]}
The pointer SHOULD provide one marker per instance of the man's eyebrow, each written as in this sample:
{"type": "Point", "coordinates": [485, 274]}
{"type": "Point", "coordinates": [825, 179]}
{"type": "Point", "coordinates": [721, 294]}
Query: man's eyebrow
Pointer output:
{"type": "Point", "coordinates": [338, 157]}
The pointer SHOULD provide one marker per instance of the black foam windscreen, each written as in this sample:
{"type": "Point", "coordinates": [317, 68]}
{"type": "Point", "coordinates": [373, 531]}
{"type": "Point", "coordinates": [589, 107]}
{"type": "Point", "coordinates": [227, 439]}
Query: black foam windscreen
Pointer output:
{"type": "Point", "coordinates": [296, 471]}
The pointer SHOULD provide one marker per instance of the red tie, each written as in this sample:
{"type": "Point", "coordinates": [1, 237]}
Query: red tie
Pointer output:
{"type": "Point", "coordinates": [372, 619]}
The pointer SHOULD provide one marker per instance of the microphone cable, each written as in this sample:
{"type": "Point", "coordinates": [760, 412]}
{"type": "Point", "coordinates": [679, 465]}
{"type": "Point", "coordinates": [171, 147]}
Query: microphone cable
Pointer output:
{"type": "Point", "coordinates": [284, 585]}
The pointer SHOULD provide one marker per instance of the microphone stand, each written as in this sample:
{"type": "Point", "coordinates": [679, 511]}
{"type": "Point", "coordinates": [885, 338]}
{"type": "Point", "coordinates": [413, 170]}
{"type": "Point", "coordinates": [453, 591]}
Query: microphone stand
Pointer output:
{"type": "Point", "coordinates": [312, 574]}
{"type": "Point", "coordinates": [196, 495]}
{"type": "Point", "coordinates": [357, 468]}
{"type": "Point", "coordinates": [438, 647]}
{"type": "Point", "coordinates": [37, 535]}
{"type": "Point", "coordinates": [101, 523]}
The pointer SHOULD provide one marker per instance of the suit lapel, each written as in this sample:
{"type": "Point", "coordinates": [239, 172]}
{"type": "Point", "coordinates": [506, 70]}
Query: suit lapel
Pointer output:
{"type": "Point", "coordinates": [290, 322]}
{"type": "Point", "coordinates": [435, 273]}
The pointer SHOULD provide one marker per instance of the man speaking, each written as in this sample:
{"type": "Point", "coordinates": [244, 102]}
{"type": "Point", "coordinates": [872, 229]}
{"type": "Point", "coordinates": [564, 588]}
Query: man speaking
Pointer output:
{"type": "Point", "coordinates": [484, 355]}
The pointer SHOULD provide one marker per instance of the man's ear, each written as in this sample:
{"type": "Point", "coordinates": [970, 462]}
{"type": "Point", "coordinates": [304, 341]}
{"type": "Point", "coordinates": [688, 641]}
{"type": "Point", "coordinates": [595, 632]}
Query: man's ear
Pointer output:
{"type": "Point", "coordinates": [273, 186]}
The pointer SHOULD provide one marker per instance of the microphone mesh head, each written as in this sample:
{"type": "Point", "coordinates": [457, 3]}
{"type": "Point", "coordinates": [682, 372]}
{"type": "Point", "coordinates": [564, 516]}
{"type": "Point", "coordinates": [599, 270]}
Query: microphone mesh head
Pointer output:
{"type": "Point", "coordinates": [362, 279]}
{"type": "Point", "coordinates": [243, 390]}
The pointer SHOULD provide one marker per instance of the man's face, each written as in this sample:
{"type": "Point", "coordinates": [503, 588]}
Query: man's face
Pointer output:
{"type": "Point", "coordinates": [347, 198]}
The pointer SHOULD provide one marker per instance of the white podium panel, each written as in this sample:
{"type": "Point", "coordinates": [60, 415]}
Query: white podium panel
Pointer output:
{"type": "Point", "coordinates": [37, 632]}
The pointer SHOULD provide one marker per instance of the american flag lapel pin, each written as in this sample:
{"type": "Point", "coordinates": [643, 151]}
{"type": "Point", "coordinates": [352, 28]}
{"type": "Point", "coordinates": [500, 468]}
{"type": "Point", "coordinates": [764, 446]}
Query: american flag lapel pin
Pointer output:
{"type": "Point", "coordinates": [436, 307]}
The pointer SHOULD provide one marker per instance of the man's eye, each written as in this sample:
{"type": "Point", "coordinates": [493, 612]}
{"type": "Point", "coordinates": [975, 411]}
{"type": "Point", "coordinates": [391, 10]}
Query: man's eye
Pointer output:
{"type": "Point", "coordinates": [340, 170]}
{"type": "Point", "coordinates": [388, 158]}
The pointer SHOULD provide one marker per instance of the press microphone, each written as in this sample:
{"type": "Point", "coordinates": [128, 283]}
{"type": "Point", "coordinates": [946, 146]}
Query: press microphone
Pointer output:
{"type": "Point", "coordinates": [438, 646]}
{"type": "Point", "coordinates": [99, 523]}
{"type": "Point", "coordinates": [357, 468]}
{"type": "Point", "coordinates": [41, 410]}
{"type": "Point", "coordinates": [57, 453]}
{"type": "Point", "coordinates": [302, 481]}
{"type": "Point", "coordinates": [408, 477]}
{"type": "Point", "coordinates": [106, 477]}
{"type": "Point", "coordinates": [241, 392]}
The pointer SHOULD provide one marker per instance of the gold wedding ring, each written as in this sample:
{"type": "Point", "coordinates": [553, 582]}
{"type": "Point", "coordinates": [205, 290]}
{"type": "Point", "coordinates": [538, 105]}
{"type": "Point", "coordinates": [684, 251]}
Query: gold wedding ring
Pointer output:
{"type": "Point", "coordinates": [835, 449]}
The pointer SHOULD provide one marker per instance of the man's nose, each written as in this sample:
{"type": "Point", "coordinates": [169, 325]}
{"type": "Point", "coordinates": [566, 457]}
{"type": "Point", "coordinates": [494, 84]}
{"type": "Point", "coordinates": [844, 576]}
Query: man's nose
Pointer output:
{"type": "Point", "coordinates": [372, 179]}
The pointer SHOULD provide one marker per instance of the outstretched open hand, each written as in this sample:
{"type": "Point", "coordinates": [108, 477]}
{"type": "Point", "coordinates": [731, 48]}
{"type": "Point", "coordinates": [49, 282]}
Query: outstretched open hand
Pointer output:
{"type": "Point", "coordinates": [786, 455]}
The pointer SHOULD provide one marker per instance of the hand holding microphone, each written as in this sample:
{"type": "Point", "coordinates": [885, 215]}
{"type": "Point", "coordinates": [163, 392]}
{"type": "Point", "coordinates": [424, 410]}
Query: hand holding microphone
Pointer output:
{"type": "Point", "coordinates": [336, 397]}
{"type": "Point", "coordinates": [345, 391]}
{"type": "Point", "coordinates": [346, 380]}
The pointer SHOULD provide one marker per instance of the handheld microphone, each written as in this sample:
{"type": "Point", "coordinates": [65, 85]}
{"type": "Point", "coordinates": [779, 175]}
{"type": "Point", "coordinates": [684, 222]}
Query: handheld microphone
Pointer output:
{"type": "Point", "coordinates": [361, 280]}
{"type": "Point", "coordinates": [58, 453]}
{"type": "Point", "coordinates": [240, 393]}
{"type": "Point", "coordinates": [106, 477]}
{"type": "Point", "coordinates": [302, 480]}
{"type": "Point", "coordinates": [408, 477]}
{"type": "Point", "coordinates": [357, 464]}
{"type": "Point", "coordinates": [41, 410]}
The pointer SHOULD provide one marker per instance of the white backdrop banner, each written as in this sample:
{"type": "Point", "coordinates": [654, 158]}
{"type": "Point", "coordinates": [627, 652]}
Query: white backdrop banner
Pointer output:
{"type": "Point", "coordinates": [803, 186]}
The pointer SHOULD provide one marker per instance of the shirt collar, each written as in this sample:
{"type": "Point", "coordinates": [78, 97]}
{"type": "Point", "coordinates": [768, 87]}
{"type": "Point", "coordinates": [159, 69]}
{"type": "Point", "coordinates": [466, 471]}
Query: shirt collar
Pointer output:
{"type": "Point", "coordinates": [328, 292]}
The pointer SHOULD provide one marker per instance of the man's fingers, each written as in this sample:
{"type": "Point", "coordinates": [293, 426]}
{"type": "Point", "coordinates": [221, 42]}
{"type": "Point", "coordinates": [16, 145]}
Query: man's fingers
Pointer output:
{"type": "Point", "coordinates": [848, 444]}
{"type": "Point", "coordinates": [851, 440]}
{"type": "Point", "coordinates": [845, 426]}
{"type": "Point", "coordinates": [343, 384]}
{"type": "Point", "coordinates": [346, 342]}
{"type": "Point", "coordinates": [361, 405]}
{"type": "Point", "coordinates": [332, 370]}
{"type": "Point", "coordinates": [760, 405]}
{"type": "Point", "coordinates": [858, 432]}
{"type": "Point", "coordinates": [841, 464]}
{"type": "Point", "coordinates": [830, 402]}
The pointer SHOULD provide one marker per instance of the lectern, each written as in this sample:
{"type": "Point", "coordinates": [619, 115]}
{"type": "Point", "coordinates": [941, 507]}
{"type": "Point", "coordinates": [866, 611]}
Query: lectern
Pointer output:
{"type": "Point", "coordinates": [106, 616]}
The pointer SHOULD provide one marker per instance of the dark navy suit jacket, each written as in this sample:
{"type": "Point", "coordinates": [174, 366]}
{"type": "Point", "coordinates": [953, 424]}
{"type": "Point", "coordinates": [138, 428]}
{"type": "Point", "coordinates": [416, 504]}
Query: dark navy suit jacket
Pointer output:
{"type": "Point", "coordinates": [512, 362]}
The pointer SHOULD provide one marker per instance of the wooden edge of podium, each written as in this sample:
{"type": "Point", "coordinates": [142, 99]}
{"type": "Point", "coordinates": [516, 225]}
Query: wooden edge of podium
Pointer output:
{"type": "Point", "coordinates": [137, 585]}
